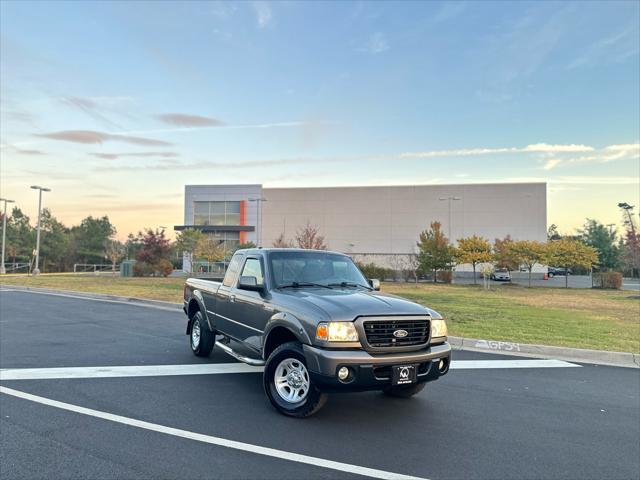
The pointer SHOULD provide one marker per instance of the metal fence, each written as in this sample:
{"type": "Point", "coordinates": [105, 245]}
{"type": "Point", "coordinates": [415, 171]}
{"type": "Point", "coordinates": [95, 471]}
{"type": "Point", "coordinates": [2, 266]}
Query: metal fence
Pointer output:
{"type": "Point", "coordinates": [94, 267]}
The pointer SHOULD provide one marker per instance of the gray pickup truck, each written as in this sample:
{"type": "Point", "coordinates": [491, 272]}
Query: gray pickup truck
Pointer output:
{"type": "Point", "coordinates": [317, 325]}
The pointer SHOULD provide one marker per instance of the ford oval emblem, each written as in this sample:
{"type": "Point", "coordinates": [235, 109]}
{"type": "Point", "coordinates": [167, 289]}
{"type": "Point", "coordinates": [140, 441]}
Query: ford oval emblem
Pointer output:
{"type": "Point", "coordinates": [400, 333]}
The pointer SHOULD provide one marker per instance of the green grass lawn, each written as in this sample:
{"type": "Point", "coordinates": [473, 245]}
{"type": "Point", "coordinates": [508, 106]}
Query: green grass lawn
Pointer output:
{"type": "Point", "coordinates": [582, 318]}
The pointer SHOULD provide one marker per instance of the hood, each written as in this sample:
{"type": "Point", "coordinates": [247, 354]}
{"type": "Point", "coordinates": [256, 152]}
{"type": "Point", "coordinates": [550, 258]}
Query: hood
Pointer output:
{"type": "Point", "coordinates": [347, 304]}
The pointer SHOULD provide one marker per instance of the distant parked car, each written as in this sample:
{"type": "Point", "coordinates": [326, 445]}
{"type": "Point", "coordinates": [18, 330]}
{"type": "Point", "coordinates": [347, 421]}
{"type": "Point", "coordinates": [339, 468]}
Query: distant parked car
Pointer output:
{"type": "Point", "coordinates": [553, 271]}
{"type": "Point", "coordinates": [501, 275]}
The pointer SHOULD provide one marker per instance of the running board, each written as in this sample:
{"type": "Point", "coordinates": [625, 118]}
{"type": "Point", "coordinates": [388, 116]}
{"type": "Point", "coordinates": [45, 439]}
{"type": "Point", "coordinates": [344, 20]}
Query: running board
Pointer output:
{"type": "Point", "coordinates": [249, 361]}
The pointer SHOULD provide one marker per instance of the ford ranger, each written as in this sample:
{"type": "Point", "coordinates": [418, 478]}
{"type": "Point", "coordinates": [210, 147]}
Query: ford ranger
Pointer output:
{"type": "Point", "coordinates": [317, 325]}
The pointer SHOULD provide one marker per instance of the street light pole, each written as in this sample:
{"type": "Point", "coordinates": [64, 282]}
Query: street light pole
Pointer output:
{"type": "Point", "coordinates": [450, 199]}
{"type": "Point", "coordinates": [259, 201]}
{"type": "Point", "coordinates": [36, 270]}
{"type": "Point", "coordinates": [4, 233]}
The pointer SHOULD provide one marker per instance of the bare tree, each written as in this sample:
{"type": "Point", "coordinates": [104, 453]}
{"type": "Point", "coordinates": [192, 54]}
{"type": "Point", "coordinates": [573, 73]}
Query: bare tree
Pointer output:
{"type": "Point", "coordinates": [309, 237]}
{"type": "Point", "coordinates": [114, 251]}
{"type": "Point", "coordinates": [413, 265]}
{"type": "Point", "coordinates": [282, 242]}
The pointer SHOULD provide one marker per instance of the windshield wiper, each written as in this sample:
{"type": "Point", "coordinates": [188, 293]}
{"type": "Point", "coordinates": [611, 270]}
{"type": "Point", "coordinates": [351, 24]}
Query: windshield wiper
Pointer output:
{"type": "Point", "coordinates": [349, 284]}
{"type": "Point", "coordinates": [303, 284]}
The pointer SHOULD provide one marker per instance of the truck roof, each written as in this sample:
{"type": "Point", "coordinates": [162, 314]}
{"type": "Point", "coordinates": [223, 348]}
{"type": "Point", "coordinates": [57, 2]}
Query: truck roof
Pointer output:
{"type": "Point", "coordinates": [274, 249]}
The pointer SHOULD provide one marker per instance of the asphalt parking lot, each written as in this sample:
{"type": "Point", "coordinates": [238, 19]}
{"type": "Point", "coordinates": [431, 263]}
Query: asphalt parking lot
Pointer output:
{"type": "Point", "coordinates": [172, 415]}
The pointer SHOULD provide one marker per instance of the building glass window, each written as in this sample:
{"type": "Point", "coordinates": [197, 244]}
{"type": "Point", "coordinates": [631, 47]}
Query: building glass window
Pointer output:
{"type": "Point", "coordinates": [216, 213]}
{"type": "Point", "coordinates": [201, 213]}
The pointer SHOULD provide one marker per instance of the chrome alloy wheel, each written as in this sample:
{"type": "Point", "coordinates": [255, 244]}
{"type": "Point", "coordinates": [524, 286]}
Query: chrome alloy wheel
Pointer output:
{"type": "Point", "coordinates": [291, 379]}
{"type": "Point", "coordinates": [195, 334]}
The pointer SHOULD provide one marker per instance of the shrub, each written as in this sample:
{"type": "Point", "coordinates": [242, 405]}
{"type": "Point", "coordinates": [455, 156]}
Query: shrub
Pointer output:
{"type": "Point", "coordinates": [612, 280]}
{"type": "Point", "coordinates": [445, 276]}
{"type": "Point", "coordinates": [160, 269]}
{"type": "Point", "coordinates": [371, 270]}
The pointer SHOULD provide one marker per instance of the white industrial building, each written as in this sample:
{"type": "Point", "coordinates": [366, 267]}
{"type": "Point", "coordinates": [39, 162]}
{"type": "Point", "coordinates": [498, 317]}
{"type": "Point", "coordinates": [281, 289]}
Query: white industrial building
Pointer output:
{"type": "Point", "coordinates": [373, 223]}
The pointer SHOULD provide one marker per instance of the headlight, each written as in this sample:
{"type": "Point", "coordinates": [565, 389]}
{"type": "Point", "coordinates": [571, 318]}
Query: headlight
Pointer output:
{"type": "Point", "coordinates": [438, 328]}
{"type": "Point", "coordinates": [337, 332]}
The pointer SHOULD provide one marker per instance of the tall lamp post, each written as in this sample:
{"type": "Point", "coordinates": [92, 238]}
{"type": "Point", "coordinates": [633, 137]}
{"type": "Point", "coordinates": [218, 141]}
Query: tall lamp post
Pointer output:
{"type": "Point", "coordinates": [36, 270]}
{"type": "Point", "coordinates": [4, 233]}
{"type": "Point", "coordinates": [450, 199]}
{"type": "Point", "coordinates": [259, 201]}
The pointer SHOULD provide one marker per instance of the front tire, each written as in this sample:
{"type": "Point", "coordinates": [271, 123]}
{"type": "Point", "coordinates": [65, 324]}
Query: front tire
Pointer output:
{"type": "Point", "coordinates": [288, 384]}
{"type": "Point", "coordinates": [201, 338]}
{"type": "Point", "coordinates": [405, 391]}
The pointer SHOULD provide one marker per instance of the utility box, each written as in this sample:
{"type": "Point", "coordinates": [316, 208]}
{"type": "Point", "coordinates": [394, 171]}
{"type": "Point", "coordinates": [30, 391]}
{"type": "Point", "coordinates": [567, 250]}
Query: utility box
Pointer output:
{"type": "Point", "coordinates": [126, 268]}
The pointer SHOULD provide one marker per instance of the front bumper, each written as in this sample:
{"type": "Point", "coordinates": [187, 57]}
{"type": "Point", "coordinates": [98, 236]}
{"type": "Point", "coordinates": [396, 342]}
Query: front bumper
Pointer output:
{"type": "Point", "coordinates": [372, 372]}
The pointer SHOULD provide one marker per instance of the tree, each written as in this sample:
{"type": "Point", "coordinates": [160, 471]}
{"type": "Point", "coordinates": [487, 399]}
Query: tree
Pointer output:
{"type": "Point", "coordinates": [245, 245]}
{"type": "Point", "coordinates": [598, 236]}
{"type": "Point", "coordinates": [527, 253]}
{"type": "Point", "coordinates": [154, 256]}
{"type": "Point", "coordinates": [21, 238]}
{"type": "Point", "coordinates": [54, 242]}
{"type": "Point", "coordinates": [552, 232]}
{"type": "Point", "coordinates": [630, 249]}
{"type": "Point", "coordinates": [473, 250]}
{"type": "Point", "coordinates": [281, 242]}
{"type": "Point", "coordinates": [434, 251]}
{"type": "Point", "coordinates": [89, 239]}
{"type": "Point", "coordinates": [309, 237]}
{"type": "Point", "coordinates": [503, 255]}
{"type": "Point", "coordinates": [114, 250]}
{"type": "Point", "coordinates": [132, 245]}
{"type": "Point", "coordinates": [211, 249]}
{"type": "Point", "coordinates": [187, 242]}
{"type": "Point", "coordinates": [569, 253]}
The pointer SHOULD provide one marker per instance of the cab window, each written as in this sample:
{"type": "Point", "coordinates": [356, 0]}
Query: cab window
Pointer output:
{"type": "Point", "coordinates": [253, 268]}
{"type": "Point", "coordinates": [232, 271]}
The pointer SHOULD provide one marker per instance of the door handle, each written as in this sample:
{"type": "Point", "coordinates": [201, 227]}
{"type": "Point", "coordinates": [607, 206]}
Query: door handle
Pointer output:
{"type": "Point", "coordinates": [232, 298]}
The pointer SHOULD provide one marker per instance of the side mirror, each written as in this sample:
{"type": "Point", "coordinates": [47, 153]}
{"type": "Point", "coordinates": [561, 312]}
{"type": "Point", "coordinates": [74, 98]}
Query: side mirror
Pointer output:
{"type": "Point", "coordinates": [250, 283]}
{"type": "Point", "coordinates": [375, 284]}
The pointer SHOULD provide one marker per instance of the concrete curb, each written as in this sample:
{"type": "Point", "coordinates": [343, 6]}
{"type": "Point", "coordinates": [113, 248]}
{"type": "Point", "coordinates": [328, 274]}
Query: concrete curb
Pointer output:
{"type": "Point", "coordinates": [597, 357]}
{"type": "Point", "coordinates": [97, 296]}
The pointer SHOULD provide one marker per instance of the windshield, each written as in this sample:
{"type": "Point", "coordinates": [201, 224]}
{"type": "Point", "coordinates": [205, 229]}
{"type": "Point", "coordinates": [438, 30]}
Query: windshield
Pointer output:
{"type": "Point", "coordinates": [288, 268]}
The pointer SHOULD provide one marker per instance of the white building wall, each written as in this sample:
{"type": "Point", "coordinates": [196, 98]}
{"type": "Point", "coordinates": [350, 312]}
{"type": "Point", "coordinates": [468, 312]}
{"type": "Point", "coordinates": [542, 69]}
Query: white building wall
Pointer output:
{"type": "Point", "coordinates": [388, 220]}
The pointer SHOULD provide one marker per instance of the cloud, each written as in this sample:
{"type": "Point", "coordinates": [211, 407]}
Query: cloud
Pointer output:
{"type": "Point", "coordinates": [29, 151]}
{"type": "Point", "coordinates": [186, 120]}
{"type": "Point", "coordinates": [552, 163]}
{"type": "Point", "coordinates": [115, 156]}
{"type": "Point", "coordinates": [97, 107]}
{"type": "Point", "coordinates": [470, 152]}
{"type": "Point", "coordinates": [264, 14]}
{"type": "Point", "coordinates": [614, 48]}
{"type": "Point", "coordinates": [376, 44]}
{"type": "Point", "coordinates": [93, 137]}
{"type": "Point", "coordinates": [449, 10]}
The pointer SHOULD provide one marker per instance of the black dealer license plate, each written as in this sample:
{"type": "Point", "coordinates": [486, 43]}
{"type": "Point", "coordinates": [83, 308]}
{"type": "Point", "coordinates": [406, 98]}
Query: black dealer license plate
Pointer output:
{"type": "Point", "coordinates": [404, 375]}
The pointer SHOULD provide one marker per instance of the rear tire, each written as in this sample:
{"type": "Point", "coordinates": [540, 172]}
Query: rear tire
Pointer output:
{"type": "Point", "coordinates": [405, 391]}
{"type": "Point", "coordinates": [201, 339]}
{"type": "Point", "coordinates": [286, 375]}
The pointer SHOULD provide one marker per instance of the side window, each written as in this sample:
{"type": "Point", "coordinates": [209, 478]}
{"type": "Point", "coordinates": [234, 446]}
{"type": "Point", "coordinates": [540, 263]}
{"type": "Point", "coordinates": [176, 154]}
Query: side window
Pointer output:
{"type": "Point", "coordinates": [253, 268]}
{"type": "Point", "coordinates": [232, 271]}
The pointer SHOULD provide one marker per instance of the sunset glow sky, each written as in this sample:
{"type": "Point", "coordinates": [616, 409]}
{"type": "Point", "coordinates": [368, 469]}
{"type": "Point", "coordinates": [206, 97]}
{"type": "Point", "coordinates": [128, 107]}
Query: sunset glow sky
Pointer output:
{"type": "Point", "coordinates": [116, 106]}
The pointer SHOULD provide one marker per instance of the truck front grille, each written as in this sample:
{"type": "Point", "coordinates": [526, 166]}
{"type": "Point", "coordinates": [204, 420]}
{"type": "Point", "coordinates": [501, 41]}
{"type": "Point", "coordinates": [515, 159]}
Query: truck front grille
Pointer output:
{"type": "Point", "coordinates": [380, 333]}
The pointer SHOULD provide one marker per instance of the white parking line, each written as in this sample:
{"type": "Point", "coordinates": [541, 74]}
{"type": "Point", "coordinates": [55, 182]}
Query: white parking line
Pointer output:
{"type": "Point", "coordinates": [217, 368]}
{"type": "Point", "coordinates": [132, 303]}
{"type": "Point", "coordinates": [222, 442]}
{"type": "Point", "coordinates": [128, 371]}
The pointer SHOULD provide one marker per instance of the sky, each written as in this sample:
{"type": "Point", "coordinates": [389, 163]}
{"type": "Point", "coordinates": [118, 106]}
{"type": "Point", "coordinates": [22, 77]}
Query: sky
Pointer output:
{"type": "Point", "coordinates": [117, 105]}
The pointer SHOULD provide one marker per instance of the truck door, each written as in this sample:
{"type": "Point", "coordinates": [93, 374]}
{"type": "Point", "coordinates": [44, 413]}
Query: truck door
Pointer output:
{"type": "Point", "coordinates": [224, 297]}
{"type": "Point", "coordinates": [250, 310]}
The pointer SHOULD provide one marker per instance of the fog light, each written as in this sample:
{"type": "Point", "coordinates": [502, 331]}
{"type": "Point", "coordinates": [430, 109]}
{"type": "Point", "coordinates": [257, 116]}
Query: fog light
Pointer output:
{"type": "Point", "coordinates": [343, 373]}
{"type": "Point", "coordinates": [441, 365]}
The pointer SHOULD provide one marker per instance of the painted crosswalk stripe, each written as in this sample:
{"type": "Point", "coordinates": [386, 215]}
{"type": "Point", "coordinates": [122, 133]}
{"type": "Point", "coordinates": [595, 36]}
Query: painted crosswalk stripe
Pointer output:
{"type": "Point", "coordinates": [226, 368]}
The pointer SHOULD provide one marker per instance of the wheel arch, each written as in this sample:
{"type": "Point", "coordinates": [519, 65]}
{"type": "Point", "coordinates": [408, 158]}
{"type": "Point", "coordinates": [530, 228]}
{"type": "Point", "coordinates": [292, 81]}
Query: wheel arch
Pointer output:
{"type": "Point", "coordinates": [282, 328]}
{"type": "Point", "coordinates": [196, 305]}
